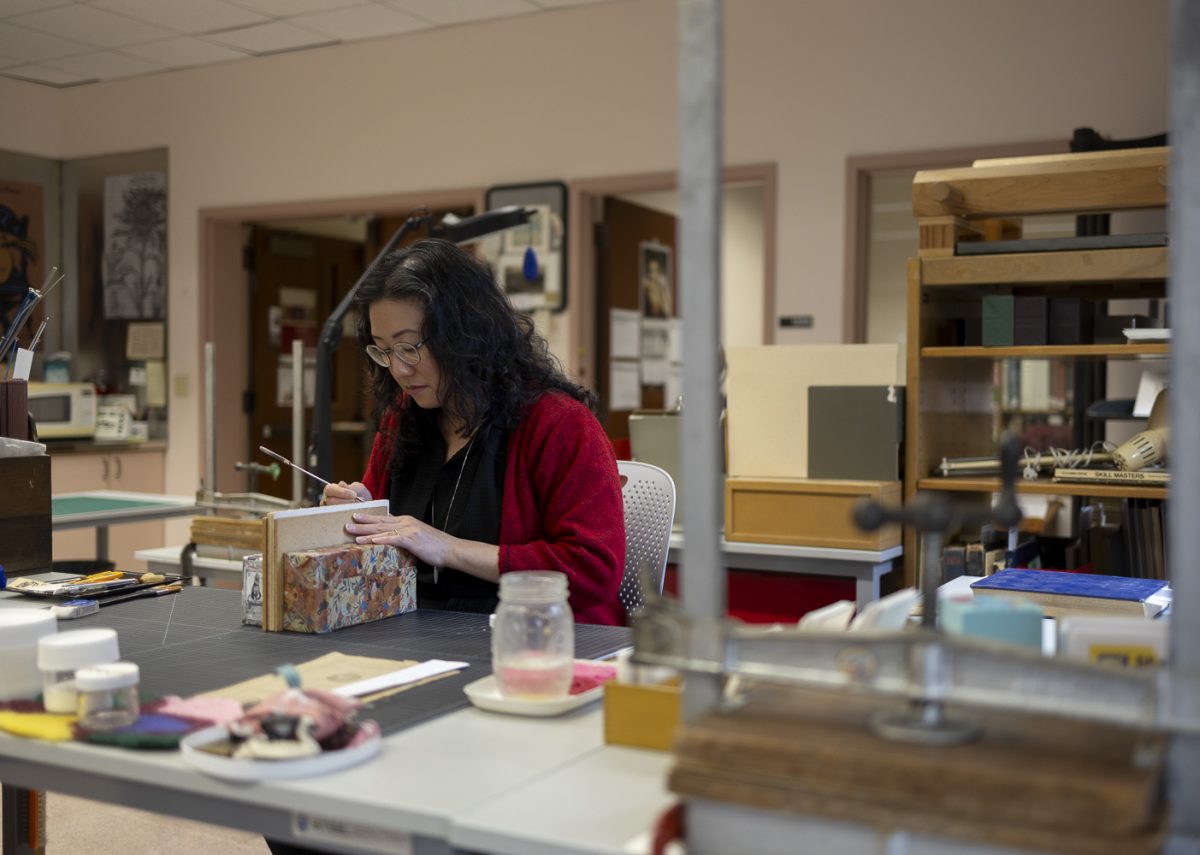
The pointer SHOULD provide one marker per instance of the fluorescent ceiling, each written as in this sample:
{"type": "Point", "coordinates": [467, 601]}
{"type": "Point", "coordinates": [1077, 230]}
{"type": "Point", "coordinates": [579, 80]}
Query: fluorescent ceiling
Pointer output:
{"type": "Point", "coordinates": [63, 43]}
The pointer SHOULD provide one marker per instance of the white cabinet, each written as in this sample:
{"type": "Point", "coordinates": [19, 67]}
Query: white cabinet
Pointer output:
{"type": "Point", "coordinates": [132, 469]}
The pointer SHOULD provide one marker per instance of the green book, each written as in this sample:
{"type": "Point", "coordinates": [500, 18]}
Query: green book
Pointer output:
{"type": "Point", "coordinates": [998, 320]}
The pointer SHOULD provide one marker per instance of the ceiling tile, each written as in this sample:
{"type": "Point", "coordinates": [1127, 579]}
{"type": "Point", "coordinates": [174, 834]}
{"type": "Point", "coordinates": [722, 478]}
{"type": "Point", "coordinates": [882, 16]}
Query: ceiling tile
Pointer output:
{"type": "Point", "coordinates": [183, 52]}
{"type": "Point", "coordinates": [20, 7]}
{"type": "Point", "coordinates": [91, 26]}
{"type": "Point", "coordinates": [105, 65]}
{"type": "Point", "coordinates": [268, 38]}
{"type": "Point", "coordinates": [459, 11]}
{"type": "Point", "coordinates": [35, 47]}
{"type": "Point", "coordinates": [291, 8]}
{"type": "Point", "coordinates": [189, 16]}
{"type": "Point", "coordinates": [45, 74]}
{"type": "Point", "coordinates": [361, 22]}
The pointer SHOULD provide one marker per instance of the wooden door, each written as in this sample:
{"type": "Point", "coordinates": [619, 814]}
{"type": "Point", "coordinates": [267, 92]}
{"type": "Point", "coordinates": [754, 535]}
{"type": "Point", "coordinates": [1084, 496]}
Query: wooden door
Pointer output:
{"type": "Point", "coordinates": [626, 228]}
{"type": "Point", "coordinates": [298, 280]}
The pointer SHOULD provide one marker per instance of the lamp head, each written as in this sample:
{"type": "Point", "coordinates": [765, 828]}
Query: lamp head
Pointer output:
{"type": "Point", "coordinates": [1150, 446]}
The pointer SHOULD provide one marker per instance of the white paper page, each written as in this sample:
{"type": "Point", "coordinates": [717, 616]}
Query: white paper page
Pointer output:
{"type": "Point", "coordinates": [403, 677]}
{"type": "Point", "coordinates": [624, 334]}
{"type": "Point", "coordinates": [624, 386]}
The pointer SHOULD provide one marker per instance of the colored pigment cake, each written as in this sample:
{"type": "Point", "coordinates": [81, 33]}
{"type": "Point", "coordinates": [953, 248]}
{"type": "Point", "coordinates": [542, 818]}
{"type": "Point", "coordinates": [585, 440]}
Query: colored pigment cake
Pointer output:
{"type": "Point", "coordinates": [339, 586]}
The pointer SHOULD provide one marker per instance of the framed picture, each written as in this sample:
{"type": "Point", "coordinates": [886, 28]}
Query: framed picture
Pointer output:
{"type": "Point", "coordinates": [657, 286]}
{"type": "Point", "coordinates": [530, 260]}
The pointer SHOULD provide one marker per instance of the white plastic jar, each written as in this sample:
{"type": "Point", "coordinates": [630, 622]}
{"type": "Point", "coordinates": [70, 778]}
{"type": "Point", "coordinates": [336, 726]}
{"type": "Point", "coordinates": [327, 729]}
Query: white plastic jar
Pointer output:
{"type": "Point", "coordinates": [533, 636]}
{"type": "Point", "coordinates": [108, 695]}
{"type": "Point", "coordinates": [20, 632]}
{"type": "Point", "coordinates": [62, 654]}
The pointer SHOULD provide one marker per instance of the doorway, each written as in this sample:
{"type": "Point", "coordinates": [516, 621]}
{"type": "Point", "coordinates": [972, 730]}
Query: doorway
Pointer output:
{"type": "Point", "coordinates": [638, 212]}
{"type": "Point", "coordinates": [225, 234]}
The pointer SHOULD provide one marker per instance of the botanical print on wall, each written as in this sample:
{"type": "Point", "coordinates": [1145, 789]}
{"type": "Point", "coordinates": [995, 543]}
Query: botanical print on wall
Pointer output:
{"type": "Point", "coordinates": [135, 245]}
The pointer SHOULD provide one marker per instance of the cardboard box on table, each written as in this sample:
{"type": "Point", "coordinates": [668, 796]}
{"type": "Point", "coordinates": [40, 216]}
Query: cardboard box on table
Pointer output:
{"type": "Point", "coordinates": [769, 496]}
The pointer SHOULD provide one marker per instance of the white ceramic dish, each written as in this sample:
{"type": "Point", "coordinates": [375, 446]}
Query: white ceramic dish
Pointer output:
{"type": "Point", "coordinates": [275, 770]}
{"type": "Point", "coordinates": [10, 447]}
{"type": "Point", "coordinates": [485, 694]}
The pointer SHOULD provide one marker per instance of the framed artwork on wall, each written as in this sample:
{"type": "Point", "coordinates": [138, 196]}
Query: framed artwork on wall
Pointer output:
{"type": "Point", "coordinates": [530, 260]}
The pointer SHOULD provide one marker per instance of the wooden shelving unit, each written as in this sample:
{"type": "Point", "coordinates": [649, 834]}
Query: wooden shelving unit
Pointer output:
{"type": "Point", "coordinates": [952, 404]}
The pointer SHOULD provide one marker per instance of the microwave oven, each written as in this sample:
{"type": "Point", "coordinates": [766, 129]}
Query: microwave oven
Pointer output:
{"type": "Point", "coordinates": [63, 409]}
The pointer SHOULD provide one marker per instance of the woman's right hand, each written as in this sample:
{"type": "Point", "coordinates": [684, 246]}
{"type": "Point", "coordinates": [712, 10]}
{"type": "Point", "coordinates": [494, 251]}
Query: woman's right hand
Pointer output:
{"type": "Point", "coordinates": [342, 493]}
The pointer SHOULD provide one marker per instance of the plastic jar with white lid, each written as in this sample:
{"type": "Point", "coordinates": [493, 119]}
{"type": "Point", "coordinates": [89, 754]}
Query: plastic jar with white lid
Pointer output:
{"type": "Point", "coordinates": [20, 632]}
{"type": "Point", "coordinates": [62, 654]}
{"type": "Point", "coordinates": [108, 695]}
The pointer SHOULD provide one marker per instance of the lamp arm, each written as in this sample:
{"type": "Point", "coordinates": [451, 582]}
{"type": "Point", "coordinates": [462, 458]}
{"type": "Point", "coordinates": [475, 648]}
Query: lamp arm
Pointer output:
{"type": "Point", "coordinates": [320, 451]}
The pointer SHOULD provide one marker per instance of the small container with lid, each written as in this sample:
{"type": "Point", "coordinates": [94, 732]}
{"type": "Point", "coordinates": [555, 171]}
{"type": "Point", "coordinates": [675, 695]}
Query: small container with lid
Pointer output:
{"type": "Point", "coordinates": [20, 632]}
{"type": "Point", "coordinates": [62, 654]}
{"type": "Point", "coordinates": [108, 695]}
{"type": "Point", "coordinates": [252, 599]}
{"type": "Point", "coordinates": [533, 637]}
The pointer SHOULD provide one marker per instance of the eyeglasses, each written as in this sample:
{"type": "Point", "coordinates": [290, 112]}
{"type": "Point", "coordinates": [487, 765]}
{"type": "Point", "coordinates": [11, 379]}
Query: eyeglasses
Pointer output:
{"type": "Point", "coordinates": [409, 354]}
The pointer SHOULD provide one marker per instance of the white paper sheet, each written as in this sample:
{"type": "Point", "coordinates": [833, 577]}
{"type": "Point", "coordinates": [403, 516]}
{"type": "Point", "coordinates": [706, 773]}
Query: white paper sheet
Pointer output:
{"type": "Point", "coordinates": [624, 334]}
{"type": "Point", "coordinates": [403, 677]}
{"type": "Point", "coordinates": [624, 386]}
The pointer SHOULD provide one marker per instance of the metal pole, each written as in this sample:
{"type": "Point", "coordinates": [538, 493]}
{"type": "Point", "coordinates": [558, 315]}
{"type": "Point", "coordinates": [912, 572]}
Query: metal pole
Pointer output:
{"type": "Point", "coordinates": [703, 577]}
{"type": "Point", "coordinates": [297, 418]}
{"type": "Point", "coordinates": [1184, 506]}
{"type": "Point", "coordinates": [210, 416]}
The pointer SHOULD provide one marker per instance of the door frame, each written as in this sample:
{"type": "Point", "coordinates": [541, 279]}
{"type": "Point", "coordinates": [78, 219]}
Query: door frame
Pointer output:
{"type": "Point", "coordinates": [586, 195]}
{"type": "Point", "coordinates": [223, 233]}
{"type": "Point", "coordinates": [858, 211]}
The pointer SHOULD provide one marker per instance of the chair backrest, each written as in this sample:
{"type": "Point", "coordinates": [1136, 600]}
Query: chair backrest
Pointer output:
{"type": "Point", "coordinates": [649, 497]}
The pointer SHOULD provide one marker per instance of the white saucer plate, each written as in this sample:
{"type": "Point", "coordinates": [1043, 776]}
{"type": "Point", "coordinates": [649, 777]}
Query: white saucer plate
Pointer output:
{"type": "Point", "coordinates": [275, 770]}
{"type": "Point", "coordinates": [485, 694]}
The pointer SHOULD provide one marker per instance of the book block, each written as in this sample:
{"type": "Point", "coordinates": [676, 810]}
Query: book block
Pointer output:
{"type": "Point", "coordinates": [344, 585]}
{"type": "Point", "coordinates": [1071, 321]}
{"type": "Point", "coordinates": [1031, 321]}
{"type": "Point", "coordinates": [997, 322]}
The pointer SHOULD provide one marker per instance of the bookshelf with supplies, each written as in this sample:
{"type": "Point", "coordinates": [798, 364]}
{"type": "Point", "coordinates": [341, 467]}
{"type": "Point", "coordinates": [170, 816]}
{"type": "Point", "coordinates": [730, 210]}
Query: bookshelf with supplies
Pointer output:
{"type": "Point", "coordinates": [991, 311]}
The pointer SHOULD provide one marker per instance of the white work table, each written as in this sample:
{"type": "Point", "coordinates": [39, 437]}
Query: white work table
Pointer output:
{"type": "Point", "coordinates": [435, 781]}
{"type": "Point", "coordinates": [865, 567]}
{"type": "Point", "coordinates": [469, 779]}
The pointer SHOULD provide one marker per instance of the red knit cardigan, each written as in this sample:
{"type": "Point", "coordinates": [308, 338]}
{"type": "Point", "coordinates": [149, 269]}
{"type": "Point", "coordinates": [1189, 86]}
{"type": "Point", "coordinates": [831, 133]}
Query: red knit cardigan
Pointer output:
{"type": "Point", "coordinates": [561, 508]}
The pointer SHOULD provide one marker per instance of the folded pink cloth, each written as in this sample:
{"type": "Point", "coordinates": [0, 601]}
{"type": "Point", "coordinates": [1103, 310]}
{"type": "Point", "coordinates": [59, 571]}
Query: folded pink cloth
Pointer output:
{"type": "Point", "coordinates": [589, 675]}
{"type": "Point", "coordinates": [216, 710]}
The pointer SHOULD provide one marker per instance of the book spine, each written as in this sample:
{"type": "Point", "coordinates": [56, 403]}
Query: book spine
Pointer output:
{"type": "Point", "coordinates": [1112, 476]}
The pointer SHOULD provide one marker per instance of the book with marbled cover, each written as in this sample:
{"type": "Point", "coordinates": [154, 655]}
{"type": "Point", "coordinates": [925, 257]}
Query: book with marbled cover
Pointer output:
{"type": "Point", "coordinates": [339, 586]}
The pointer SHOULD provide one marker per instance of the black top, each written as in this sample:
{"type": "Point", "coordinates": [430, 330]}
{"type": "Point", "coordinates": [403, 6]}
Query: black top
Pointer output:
{"type": "Point", "coordinates": [423, 486]}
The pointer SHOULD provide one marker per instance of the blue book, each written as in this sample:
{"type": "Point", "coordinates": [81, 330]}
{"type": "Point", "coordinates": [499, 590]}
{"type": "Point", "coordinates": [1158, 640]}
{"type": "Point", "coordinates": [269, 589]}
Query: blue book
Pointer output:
{"type": "Point", "coordinates": [1061, 593]}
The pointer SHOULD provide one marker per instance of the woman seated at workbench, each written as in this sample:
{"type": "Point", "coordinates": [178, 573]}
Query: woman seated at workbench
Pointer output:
{"type": "Point", "coordinates": [491, 459]}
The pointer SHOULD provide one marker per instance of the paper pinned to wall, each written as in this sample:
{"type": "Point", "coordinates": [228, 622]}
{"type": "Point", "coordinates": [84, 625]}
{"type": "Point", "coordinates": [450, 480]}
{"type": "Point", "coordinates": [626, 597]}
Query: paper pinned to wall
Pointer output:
{"type": "Point", "coordinates": [624, 386]}
{"type": "Point", "coordinates": [767, 389]}
{"type": "Point", "coordinates": [156, 383]}
{"type": "Point", "coordinates": [624, 334]}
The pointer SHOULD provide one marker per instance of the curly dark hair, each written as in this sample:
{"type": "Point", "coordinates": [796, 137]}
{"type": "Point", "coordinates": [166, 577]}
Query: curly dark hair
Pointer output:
{"type": "Point", "coordinates": [492, 360]}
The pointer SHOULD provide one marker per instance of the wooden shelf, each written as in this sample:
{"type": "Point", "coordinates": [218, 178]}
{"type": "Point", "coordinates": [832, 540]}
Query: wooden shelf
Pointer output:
{"type": "Point", "coordinates": [1050, 351]}
{"type": "Point", "coordinates": [1044, 486]}
{"type": "Point", "coordinates": [1140, 264]}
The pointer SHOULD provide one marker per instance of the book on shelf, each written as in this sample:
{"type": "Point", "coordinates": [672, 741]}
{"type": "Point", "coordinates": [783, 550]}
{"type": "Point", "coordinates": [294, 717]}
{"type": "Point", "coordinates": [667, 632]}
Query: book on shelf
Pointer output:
{"type": "Point", "coordinates": [1061, 593]}
{"type": "Point", "coordinates": [1152, 477]}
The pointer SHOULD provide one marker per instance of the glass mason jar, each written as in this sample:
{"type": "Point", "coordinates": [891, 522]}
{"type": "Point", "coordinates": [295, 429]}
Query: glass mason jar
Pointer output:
{"type": "Point", "coordinates": [533, 638]}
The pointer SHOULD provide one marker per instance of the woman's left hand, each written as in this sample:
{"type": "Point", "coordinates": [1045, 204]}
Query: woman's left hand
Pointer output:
{"type": "Point", "coordinates": [425, 542]}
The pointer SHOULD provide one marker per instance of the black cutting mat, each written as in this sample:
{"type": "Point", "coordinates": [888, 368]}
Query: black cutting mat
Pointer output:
{"type": "Point", "coordinates": [194, 641]}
